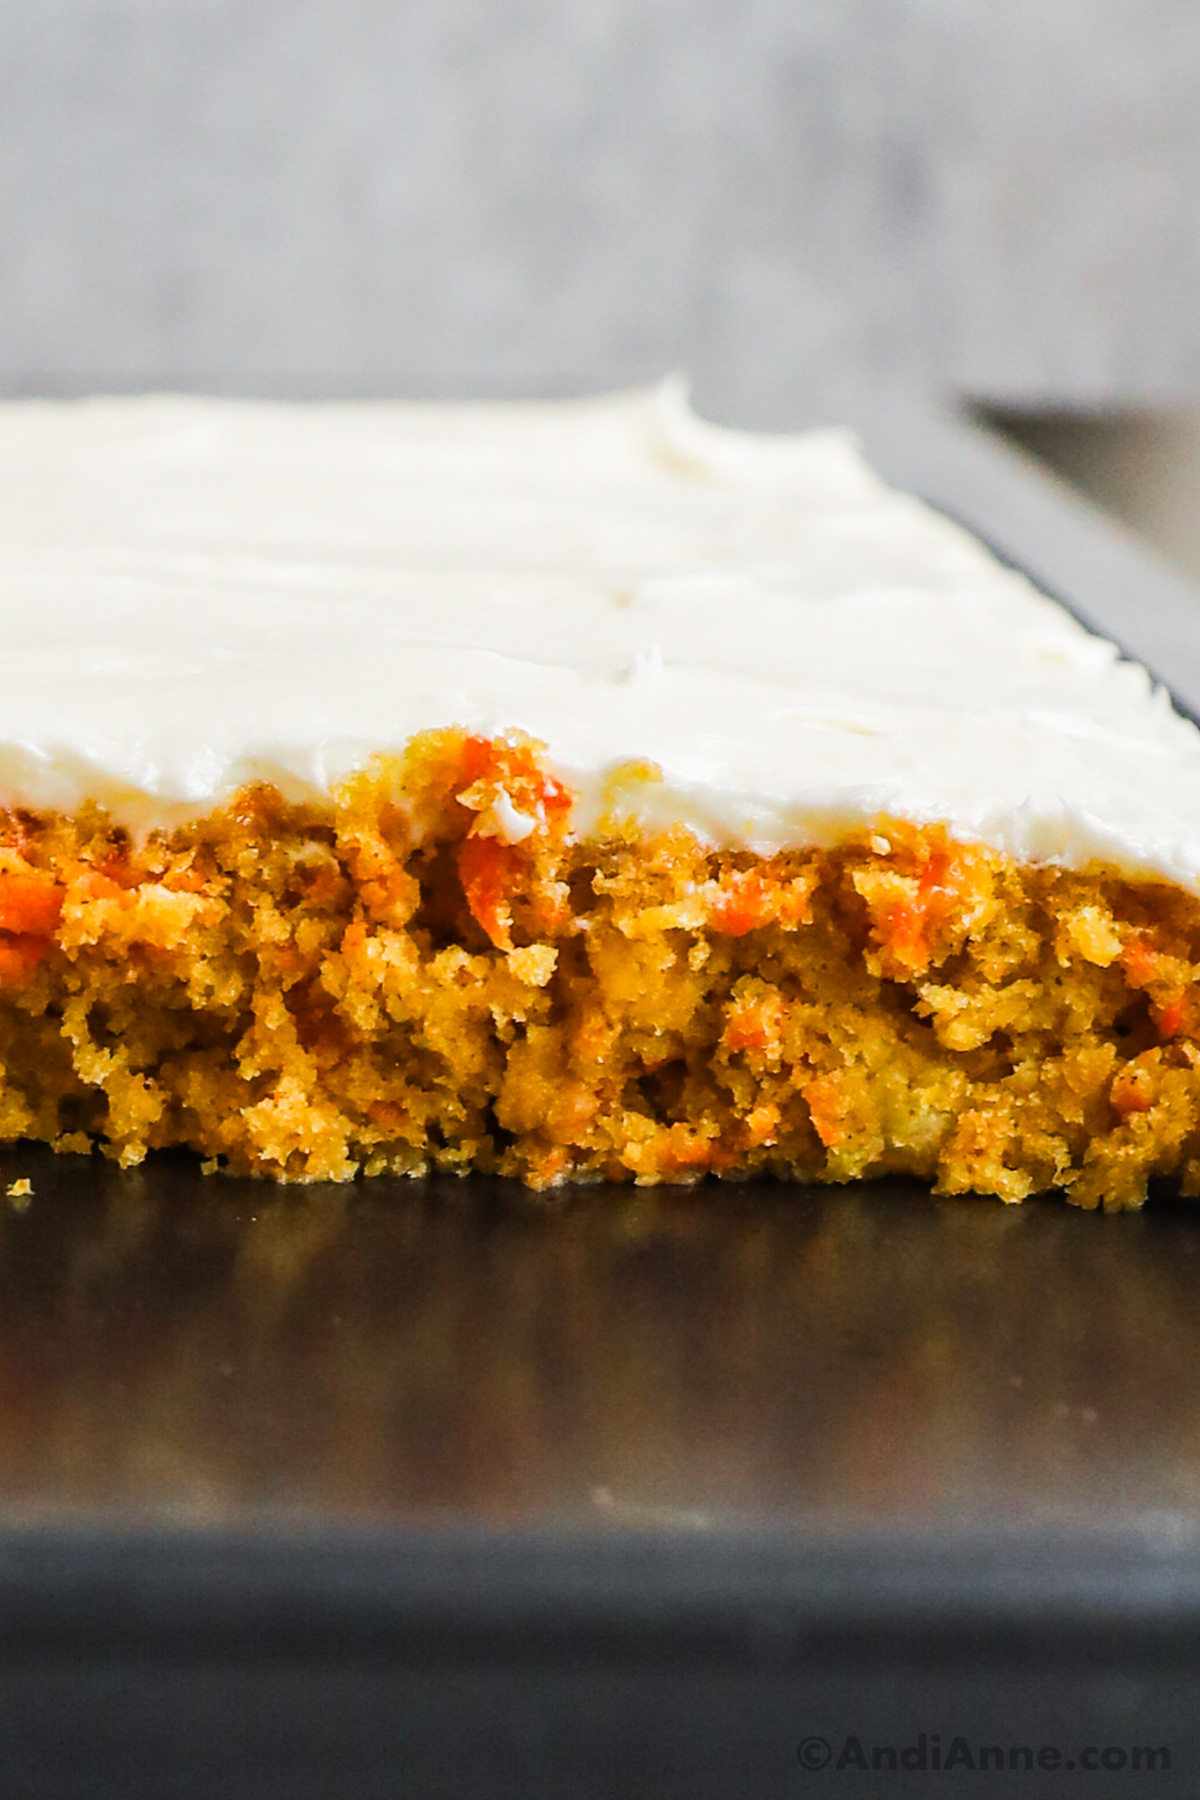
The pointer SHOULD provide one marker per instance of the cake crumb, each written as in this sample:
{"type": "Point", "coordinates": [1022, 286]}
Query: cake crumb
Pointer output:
{"type": "Point", "coordinates": [73, 1143]}
{"type": "Point", "coordinates": [534, 965]}
{"type": "Point", "coordinates": [626, 1005]}
{"type": "Point", "coordinates": [20, 1193]}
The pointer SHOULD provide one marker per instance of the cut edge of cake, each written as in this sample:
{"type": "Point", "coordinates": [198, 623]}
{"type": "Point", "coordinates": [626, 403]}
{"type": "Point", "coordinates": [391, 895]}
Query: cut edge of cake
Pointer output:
{"type": "Point", "coordinates": [432, 972]}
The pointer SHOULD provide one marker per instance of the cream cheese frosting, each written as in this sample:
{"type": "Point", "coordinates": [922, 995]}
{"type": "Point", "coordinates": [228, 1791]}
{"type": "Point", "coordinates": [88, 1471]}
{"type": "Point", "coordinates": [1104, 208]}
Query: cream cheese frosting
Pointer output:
{"type": "Point", "coordinates": [199, 593]}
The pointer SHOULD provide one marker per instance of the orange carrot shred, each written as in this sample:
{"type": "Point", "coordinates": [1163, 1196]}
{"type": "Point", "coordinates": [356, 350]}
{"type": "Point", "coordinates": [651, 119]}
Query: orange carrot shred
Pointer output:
{"type": "Point", "coordinates": [29, 905]}
{"type": "Point", "coordinates": [20, 955]}
{"type": "Point", "coordinates": [488, 871]}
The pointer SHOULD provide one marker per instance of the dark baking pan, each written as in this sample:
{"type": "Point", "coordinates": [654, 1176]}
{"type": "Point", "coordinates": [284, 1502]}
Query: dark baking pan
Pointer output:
{"type": "Point", "coordinates": [440, 1489]}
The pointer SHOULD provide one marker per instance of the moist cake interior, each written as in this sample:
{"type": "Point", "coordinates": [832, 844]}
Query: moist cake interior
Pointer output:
{"type": "Point", "coordinates": [383, 983]}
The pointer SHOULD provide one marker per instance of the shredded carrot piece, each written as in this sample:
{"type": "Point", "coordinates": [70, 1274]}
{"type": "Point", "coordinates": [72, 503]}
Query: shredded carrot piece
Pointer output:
{"type": "Point", "coordinates": [29, 904]}
{"type": "Point", "coordinates": [686, 1152]}
{"type": "Point", "coordinates": [755, 1024]}
{"type": "Point", "coordinates": [516, 768]}
{"type": "Point", "coordinates": [477, 756]}
{"type": "Point", "coordinates": [745, 903]}
{"type": "Point", "coordinates": [1139, 959]}
{"type": "Point", "coordinates": [354, 937]}
{"type": "Point", "coordinates": [30, 907]}
{"type": "Point", "coordinates": [827, 1107]}
{"type": "Point", "coordinates": [908, 925]}
{"type": "Point", "coordinates": [1170, 1018]}
{"type": "Point", "coordinates": [92, 885]}
{"type": "Point", "coordinates": [20, 955]}
{"type": "Point", "coordinates": [488, 871]}
{"type": "Point", "coordinates": [747, 1031]}
{"type": "Point", "coordinates": [748, 899]}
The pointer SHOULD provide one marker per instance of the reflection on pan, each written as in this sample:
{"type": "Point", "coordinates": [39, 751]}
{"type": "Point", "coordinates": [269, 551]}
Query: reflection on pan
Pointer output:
{"type": "Point", "coordinates": [197, 1349]}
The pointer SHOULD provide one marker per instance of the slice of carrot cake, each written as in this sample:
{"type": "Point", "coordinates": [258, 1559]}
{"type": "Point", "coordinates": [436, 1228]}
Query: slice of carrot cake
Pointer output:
{"type": "Point", "coordinates": [575, 792]}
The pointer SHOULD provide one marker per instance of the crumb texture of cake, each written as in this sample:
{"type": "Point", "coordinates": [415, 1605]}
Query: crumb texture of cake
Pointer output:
{"type": "Point", "coordinates": [575, 792]}
{"type": "Point", "coordinates": [431, 972]}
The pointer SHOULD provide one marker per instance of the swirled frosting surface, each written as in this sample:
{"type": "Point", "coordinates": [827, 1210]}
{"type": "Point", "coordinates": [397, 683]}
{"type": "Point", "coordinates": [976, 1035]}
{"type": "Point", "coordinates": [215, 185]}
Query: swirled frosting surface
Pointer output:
{"type": "Point", "coordinates": [198, 593]}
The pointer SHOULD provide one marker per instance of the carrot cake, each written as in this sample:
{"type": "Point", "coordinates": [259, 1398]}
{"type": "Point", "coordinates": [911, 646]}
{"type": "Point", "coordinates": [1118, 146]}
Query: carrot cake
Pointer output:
{"type": "Point", "coordinates": [575, 792]}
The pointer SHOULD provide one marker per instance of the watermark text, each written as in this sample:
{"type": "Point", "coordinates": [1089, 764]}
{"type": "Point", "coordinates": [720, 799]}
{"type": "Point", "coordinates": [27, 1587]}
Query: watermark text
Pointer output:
{"type": "Point", "coordinates": [936, 1752]}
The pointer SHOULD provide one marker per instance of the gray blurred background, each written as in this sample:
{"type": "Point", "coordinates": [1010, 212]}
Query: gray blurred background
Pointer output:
{"type": "Point", "coordinates": [794, 199]}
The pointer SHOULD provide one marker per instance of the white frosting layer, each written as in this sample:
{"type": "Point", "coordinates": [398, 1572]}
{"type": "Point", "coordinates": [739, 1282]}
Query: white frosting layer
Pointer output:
{"type": "Point", "coordinates": [198, 593]}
